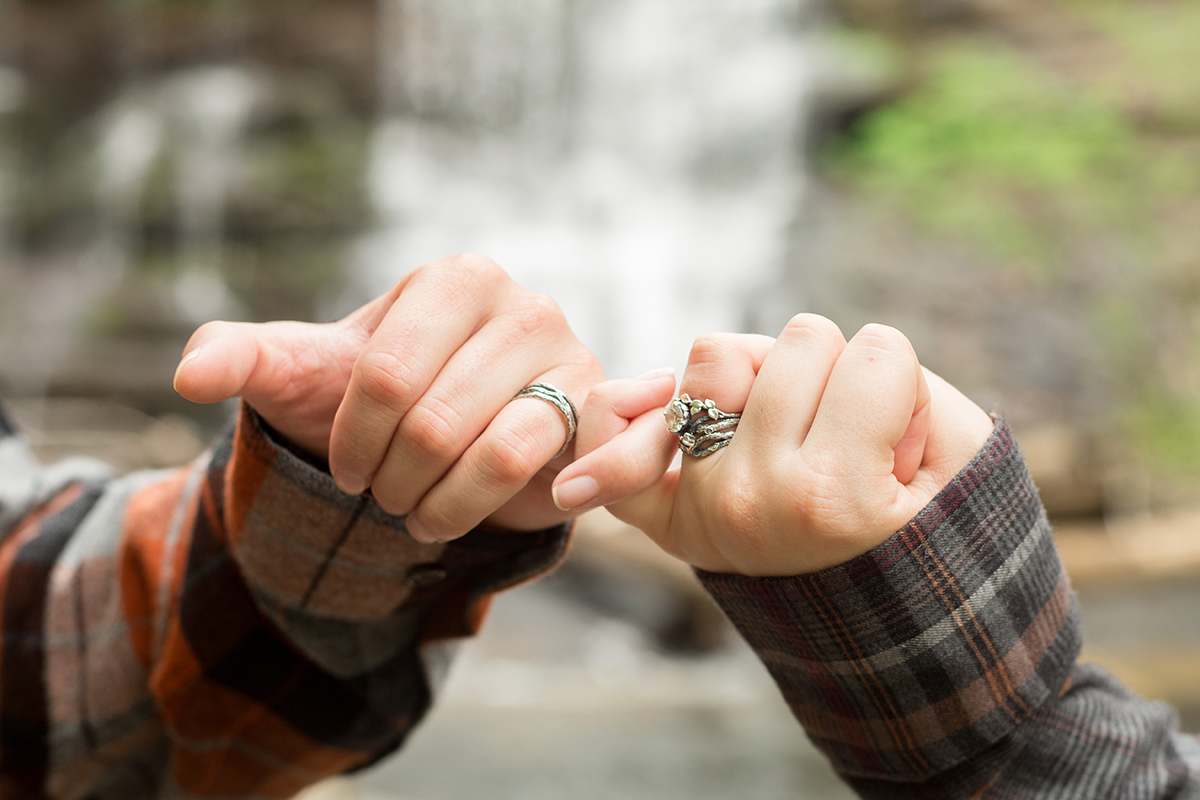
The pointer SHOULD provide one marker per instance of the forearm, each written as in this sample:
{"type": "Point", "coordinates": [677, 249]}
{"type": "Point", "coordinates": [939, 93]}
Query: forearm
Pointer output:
{"type": "Point", "coordinates": [230, 629]}
{"type": "Point", "coordinates": [336, 572]}
{"type": "Point", "coordinates": [941, 663]}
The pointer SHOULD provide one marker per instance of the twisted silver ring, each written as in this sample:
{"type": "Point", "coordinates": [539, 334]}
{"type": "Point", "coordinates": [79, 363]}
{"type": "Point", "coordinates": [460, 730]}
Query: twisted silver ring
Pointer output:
{"type": "Point", "coordinates": [702, 428]}
{"type": "Point", "coordinates": [556, 398]}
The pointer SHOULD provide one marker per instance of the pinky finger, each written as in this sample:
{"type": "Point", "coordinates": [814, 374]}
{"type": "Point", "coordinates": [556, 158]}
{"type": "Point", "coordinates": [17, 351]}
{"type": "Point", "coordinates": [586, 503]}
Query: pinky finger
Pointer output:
{"type": "Point", "coordinates": [610, 406]}
{"type": "Point", "coordinates": [630, 463]}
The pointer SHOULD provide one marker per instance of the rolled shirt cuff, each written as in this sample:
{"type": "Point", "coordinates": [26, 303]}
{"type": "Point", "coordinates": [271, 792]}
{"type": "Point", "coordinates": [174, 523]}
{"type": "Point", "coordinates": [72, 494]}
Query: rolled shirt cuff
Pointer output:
{"type": "Point", "coordinates": [935, 645]}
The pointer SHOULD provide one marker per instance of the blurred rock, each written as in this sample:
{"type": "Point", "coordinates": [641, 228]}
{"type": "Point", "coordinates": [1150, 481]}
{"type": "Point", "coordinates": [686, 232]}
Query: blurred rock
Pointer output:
{"type": "Point", "coordinates": [916, 17]}
{"type": "Point", "coordinates": [1067, 467]}
{"type": "Point", "coordinates": [172, 163]}
{"type": "Point", "coordinates": [118, 435]}
{"type": "Point", "coordinates": [78, 49]}
{"type": "Point", "coordinates": [616, 570]}
{"type": "Point", "coordinates": [903, 15]}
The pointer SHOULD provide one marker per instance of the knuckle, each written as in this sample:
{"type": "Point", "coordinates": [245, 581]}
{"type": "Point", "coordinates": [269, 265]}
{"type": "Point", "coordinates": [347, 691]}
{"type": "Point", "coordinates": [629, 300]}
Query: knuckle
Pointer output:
{"type": "Point", "coordinates": [824, 509]}
{"type": "Point", "coordinates": [510, 459]}
{"type": "Point", "coordinates": [739, 514]}
{"type": "Point", "coordinates": [462, 277]}
{"type": "Point", "coordinates": [737, 506]}
{"type": "Point", "coordinates": [387, 378]}
{"type": "Point", "coordinates": [813, 326]}
{"type": "Point", "coordinates": [433, 428]}
{"type": "Point", "coordinates": [535, 313]}
{"type": "Point", "coordinates": [208, 329]}
{"type": "Point", "coordinates": [439, 520]}
{"type": "Point", "coordinates": [478, 271]}
{"type": "Point", "coordinates": [601, 400]}
{"type": "Point", "coordinates": [710, 349]}
{"type": "Point", "coordinates": [882, 339]}
{"type": "Point", "coordinates": [584, 363]}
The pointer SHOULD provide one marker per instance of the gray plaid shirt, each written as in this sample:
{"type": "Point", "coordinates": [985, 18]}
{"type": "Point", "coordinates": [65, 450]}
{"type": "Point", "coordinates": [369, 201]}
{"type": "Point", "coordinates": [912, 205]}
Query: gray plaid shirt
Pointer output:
{"type": "Point", "coordinates": [942, 663]}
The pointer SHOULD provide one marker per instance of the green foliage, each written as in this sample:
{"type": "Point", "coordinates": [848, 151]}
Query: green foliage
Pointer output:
{"type": "Point", "coordinates": [997, 150]}
{"type": "Point", "coordinates": [1086, 176]}
{"type": "Point", "coordinates": [1157, 71]}
{"type": "Point", "coordinates": [1167, 428]}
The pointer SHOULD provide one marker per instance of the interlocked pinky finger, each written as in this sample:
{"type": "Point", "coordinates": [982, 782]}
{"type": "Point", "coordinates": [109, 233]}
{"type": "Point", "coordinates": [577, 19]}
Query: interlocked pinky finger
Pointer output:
{"type": "Point", "coordinates": [612, 405]}
{"type": "Point", "coordinates": [623, 446]}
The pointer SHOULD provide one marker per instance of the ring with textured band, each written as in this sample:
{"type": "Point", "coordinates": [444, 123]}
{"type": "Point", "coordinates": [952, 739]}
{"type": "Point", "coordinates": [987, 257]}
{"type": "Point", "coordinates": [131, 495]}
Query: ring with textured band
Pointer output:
{"type": "Point", "coordinates": [702, 428]}
{"type": "Point", "coordinates": [555, 397]}
{"type": "Point", "coordinates": [701, 446]}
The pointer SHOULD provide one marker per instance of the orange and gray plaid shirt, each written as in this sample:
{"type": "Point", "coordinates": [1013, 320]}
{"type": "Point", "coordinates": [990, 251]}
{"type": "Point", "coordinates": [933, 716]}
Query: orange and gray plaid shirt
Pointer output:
{"type": "Point", "coordinates": [240, 628]}
{"type": "Point", "coordinates": [237, 628]}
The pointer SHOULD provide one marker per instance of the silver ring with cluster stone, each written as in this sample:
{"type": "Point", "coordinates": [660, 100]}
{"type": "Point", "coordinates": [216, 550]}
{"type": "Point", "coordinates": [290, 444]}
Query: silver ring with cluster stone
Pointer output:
{"type": "Point", "coordinates": [555, 397]}
{"type": "Point", "coordinates": [702, 428]}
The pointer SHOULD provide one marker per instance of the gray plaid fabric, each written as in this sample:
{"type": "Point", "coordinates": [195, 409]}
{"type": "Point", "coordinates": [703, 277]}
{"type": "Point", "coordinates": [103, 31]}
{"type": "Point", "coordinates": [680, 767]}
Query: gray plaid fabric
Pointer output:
{"type": "Point", "coordinates": [942, 663]}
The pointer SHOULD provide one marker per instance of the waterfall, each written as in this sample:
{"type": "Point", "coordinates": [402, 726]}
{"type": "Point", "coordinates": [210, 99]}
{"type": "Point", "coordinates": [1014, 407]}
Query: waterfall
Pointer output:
{"type": "Point", "coordinates": [130, 138]}
{"type": "Point", "coordinates": [12, 91]}
{"type": "Point", "coordinates": [212, 106]}
{"type": "Point", "coordinates": [638, 160]}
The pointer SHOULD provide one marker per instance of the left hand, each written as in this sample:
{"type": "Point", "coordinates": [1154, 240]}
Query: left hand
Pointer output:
{"type": "Point", "coordinates": [412, 394]}
{"type": "Point", "coordinates": [839, 445]}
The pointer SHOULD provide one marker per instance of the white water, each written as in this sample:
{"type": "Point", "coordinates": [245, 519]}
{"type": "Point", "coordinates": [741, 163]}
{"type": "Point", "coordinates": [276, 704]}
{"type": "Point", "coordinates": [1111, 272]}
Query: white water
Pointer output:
{"type": "Point", "coordinates": [635, 159]}
{"type": "Point", "coordinates": [212, 106]}
{"type": "Point", "coordinates": [638, 160]}
{"type": "Point", "coordinates": [11, 92]}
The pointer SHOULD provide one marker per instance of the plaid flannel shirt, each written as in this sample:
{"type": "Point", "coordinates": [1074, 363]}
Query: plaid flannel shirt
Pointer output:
{"type": "Point", "coordinates": [941, 664]}
{"type": "Point", "coordinates": [241, 628]}
{"type": "Point", "coordinates": [237, 628]}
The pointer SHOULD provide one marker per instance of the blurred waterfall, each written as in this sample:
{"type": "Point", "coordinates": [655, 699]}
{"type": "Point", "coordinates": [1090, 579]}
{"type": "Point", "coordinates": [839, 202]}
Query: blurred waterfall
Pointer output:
{"type": "Point", "coordinates": [213, 105]}
{"type": "Point", "coordinates": [12, 91]}
{"type": "Point", "coordinates": [130, 139]}
{"type": "Point", "coordinates": [638, 160]}
{"type": "Point", "coordinates": [201, 114]}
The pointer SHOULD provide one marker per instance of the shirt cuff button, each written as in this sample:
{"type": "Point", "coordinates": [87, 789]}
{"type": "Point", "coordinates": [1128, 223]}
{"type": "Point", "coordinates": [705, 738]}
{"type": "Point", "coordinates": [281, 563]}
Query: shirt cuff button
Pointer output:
{"type": "Point", "coordinates": [422, 575]}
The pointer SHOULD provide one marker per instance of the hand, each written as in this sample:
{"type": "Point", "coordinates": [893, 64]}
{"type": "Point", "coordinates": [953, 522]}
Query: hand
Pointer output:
{"type": "Point", "coordinates": [840, 444]}
{"type": "Point", "coordinates": [411, 395]}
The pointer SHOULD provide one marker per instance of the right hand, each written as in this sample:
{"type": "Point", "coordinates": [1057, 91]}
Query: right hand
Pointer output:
{"type": "Point", "coordinates": [412, 395]}
{"type": "Point", "coordinates": [840, 444]}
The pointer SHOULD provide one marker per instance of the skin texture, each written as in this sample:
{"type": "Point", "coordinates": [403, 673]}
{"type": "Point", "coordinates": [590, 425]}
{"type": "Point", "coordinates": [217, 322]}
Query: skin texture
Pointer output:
{"type": "Point", "coordinates": [840, 444]}
{"type": "Point", "coordinates": [411, 396]}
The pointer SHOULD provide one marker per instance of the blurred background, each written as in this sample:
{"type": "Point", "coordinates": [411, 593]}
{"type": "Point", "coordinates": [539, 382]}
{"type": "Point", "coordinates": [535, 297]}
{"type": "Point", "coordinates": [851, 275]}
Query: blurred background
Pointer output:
{"type": "Point", "coordinates": [1014, 184]}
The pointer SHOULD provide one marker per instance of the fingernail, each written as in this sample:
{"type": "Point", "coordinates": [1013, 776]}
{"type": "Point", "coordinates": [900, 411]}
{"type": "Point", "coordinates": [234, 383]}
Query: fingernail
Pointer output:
{"type": "Point", "coordinates": [350, 484]}
{"type": "Point", "coordinates": [577, 492]}
{"type": "Point", "coordinates": [656, 373]}
{"type": "Point", "coordinates": [191, 356]}
{"type": "Point", "coordinates": [417, 531]}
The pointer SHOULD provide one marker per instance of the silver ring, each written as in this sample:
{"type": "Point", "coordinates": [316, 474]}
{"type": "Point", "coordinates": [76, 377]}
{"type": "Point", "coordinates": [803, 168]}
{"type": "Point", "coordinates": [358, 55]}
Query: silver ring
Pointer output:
{"type": "Point", "coordinates": [556, 398]}
{"type": "Point", "coordinates": [702, 428]}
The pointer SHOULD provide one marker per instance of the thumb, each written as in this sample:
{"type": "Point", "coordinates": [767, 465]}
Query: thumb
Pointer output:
{"type": "Point", "coordinates": [263, 361]}
{"type": "Point", "coordinates": [958, 428]}
{"type": "Point", "coordinates": [910, 450]}
{"type": "Point", "coordinates": [293, 374]}
{"type": "Point", "coordinates": [232, 359]}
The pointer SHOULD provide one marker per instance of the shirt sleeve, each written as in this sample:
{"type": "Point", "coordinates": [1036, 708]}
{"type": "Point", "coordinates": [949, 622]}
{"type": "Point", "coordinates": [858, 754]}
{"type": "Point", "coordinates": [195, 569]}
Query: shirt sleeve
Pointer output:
{"type": "Point", "coordinates": [237, 628]}
{"type": "Point", "coordinates": [943, 662]}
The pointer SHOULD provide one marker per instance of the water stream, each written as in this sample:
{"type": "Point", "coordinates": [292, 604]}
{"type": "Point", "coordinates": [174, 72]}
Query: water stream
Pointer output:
{"type": "Point", "coordinates": [635, 159]}
{"type": "Point", "coordinates": [12, 91]}
{"type": "Point", "coordinates": [638, 160]}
